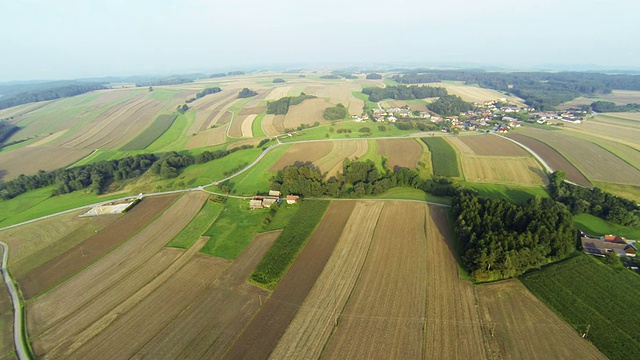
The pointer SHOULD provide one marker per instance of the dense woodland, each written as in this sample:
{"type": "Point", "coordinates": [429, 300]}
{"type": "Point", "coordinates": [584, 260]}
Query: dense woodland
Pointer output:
{"type": "Point", "coordinates": [246, 93]}
{"type": "Point", "coordinates": [402, 92]}
{"type": "Point", "coordinates": [278, 81]}
{"type": "Point", "coordinates": [608, 106]}
{"type": "Point", "coordinates": [162, 82]}
{"type": "Point", "coordinates": [97, 175]}
{"type": "Point", "coordinates": [373, 76]}
{"type": "Point", "coordinates": [501, 240]}
{"type": "Point", "coordinates": [281, 106]}
{"type": "Point", "coordinates": [6, 130]}
{"type": "Point", "coordinates": [541, 90]}
{"type": "Point", "coordinates": [203, 93]}
{"type": "Point", "coordinates": [337, 112]}
{"type": "Point", "coordinates": [48, 94]}
{"type": "Point", "coordinates": [450, 105]}
{"type": "Point", "coordinates": [593, 201]}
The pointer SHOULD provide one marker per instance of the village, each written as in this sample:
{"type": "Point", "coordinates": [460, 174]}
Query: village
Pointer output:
{"type": "Point", "coordinates": [495, 115]}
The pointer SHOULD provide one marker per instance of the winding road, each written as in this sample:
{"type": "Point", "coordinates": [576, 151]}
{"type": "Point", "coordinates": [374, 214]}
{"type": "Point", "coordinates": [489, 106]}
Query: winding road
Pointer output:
{"type": "Point", "coordinates": [22, 349]}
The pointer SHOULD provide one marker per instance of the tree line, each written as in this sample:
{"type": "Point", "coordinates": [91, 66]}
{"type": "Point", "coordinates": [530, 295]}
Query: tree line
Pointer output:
{"type": "Point", "coordinates": [281, 106]}
{"type": "Point", "coordinates": [402, 92]}
{"type": "Point", "coordinates": [204, 93]}
{"type": "Point", "coordinates": [500, 240]}
{"type": "Point", "coordinates": [169, 164]}
{"type": "Point", "coordinates": [450, 105]}
{"type": "Point", "coordinates": [164, 82]}
{"type": "Point", "coordinates": [593, 201]}
{"type": "Point", "coordinates": [609, 106]}
{"type": "Point", "coordinates": [48, 94]}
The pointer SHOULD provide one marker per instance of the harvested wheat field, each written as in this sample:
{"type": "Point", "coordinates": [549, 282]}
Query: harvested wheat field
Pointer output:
{"type": "Point", "coordinates": [209, 107]}
{"type": "Point", "coordinates": [517, 325]}
{"type": "Point", "coordinates": [268, 125]}
{"type": "Point", "coordinates": [338, 93]}
{"type": "Point", "coordinates": [130, 331]}
{"type": "Point", "coordinates": [503, 170]}
{"type": "Point", "coordinates": [28, 160]}
{"type": "Point", "coordinates": [476, 94]}
{"type": "Point", "coordinates": [552, 158]}
{"type": "Point", "coordinates": [247, 124]}
{"type": "Point", "coordinates": [261, 335]}
{"type": "Point", "coordinates": [453, 329]}
{"type": "Point", "coordinates": [459, 145]}
{"type": "Point", "coordinates": [309, 331]}
{"type": "Point", "coordinates": [400, 152]}
{"type": "Point", "coordinates": [209, 137]}
{"type": "Point", "coordinates": [84, 287]}
{"type": "Point", "coordinates": [307, 112]}
{"type": "Point", "coordinates": [279, 92]}
{"type": "Point", "coordinates": [331, 164]}
{"type": "Point", "coordinates": [595, 162]}
{"type": "Point", "coordinates": [201, 333]}
{"type": "Point", "coordinates": [384, 316]}
{"type": "Point", "coordinates": [303, 152]}
{"type": "Point", "coordinates": [68, 263]}
{"type": "Point", "coordinates": [489, 145]}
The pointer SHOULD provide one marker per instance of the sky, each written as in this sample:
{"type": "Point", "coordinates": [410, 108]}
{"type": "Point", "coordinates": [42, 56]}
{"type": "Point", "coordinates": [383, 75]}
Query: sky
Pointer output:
{"type": "Point", "coordinates": [65, 39]}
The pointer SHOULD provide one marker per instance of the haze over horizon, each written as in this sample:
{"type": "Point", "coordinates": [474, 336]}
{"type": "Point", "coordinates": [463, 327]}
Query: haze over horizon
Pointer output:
{"type": "Point", "coordinates": [74, 39]}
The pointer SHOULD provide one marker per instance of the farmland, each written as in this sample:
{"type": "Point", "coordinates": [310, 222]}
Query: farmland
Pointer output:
{"type": "Point", "coordinates": [503, 170]}
{"type": "Point", "coordinates": [443, 157]}
{"type": "Point", "coordinates": [400, 152]}
{"type": "Point", "coordinates": [492, 146]}
{"type": "Point", "coordinates": [303, 152]}
{"type": "Point", "coordinates": [150, 134]}
{"type": "Point", "coordinates": [577, 290]}
{"type": "Point", "coordinates": [519, 326]}
{"type": "Point", "coordinates": [331, 163]}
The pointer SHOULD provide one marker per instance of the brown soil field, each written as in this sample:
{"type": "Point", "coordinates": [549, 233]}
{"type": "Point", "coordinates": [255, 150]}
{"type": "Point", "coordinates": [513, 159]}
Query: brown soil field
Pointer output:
{"type": "Point", "coordinates": [338, 93]}
{"type": "Point", "coordinates": [314, 322]}
{"type": "Point", "coordinates": [209, 137]}
{"type": "Point", "coordinates": [453, 329]}
{"type": "Point", "coordinates": [208, 109]}
{"type": "Point", "coordinates": [73, 329]}
{"type": "Point", "coordinates": [519, 326]}
{"type": "Point", "coordinates": [278, 123]}
{"type": "Point", "coordinates": [503, 170]}
{"type": "Point", "coordinates": [7, 348]}
{"type": "Point", "coordinates": [304, 152]}
{"type": "Point", "coordinates": [331, 164]}
{"type": "Point", "coordinates": [307, 112]}
{"type": "Point", "coordinates": [134, 328]}
{"type": "Point", "coordinates": [459, 145]}
{"type": "Point", "coordinates": [595, 162]}
{"type": "Point", "coordinates": [201, 333]}
{"type": "Point", "coordinates": [253, 110]}
{"type": "Point", "coordinates": [262, 334]}
{"type": "Point", "coordinates": [71, 295]}
{"type": "Point", "coordinates": [384, 317]}
{"type": "Point", "coordinates": [28, 160]}
{"type": "Point", "coordinates": [268, 125]}
{"type": "Point", "coordinates": [85, 253]}
{"type": "Point", "coordinates": [392, 104]}
{"type": "Point", "coordinates": [489, 145]}
{"type": "Point", "coordinates": [553, 158]}
{"type": "Point", "coordinates": [400, 152]}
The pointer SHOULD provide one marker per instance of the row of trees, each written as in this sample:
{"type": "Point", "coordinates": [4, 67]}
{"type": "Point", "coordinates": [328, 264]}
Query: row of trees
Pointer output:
{"type": "Point", "coordinates": [281, 106]}
{"type": "Point", "coordinates": [500, 240]}
{"type": "Point", "coordinates": [593, 201]}
{"type": "Point", "coordinates": [204, 93]}
{"type": "Point", "coordinates": [164, 82]}
{"type": "Point", "coordinates": [450, 105]}
{"type": "Point", "coordinates": [402, 92]}
{"type": "Point", "coordinates": [48, 94]}
{"type": "Point", "coordinates": [169, 164]}
{"type": "Point", "coordinates": [608, 106]}
{"type": "Point", "coordinates": [230, 73]}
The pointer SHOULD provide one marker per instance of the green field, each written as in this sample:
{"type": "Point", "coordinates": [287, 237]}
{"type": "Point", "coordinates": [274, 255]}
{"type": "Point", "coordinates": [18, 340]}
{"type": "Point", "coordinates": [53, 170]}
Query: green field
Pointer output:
{"type": "Point", "coordinates": [257, 179]}
{"type": "Point", "coordinates": [593, 225]}
{"type": "Point", "coordinates": [590, 295]}
{"type": "Point", "coordinates": [161, 124]}
{"type": "Point", "coordinates": [516, 194]}
{"type": "Point", "coordinates": [405, 193]}
{"type": "Point", "coordinates": [198, 225]}
{"type": "Point", "coordinates": [321, 131]}
{"type": "Point", "coordinates": [626, 191]}
{"type": "Point", "coordinates": [175, 138]}
{"type": "Point", "coordinates": [38, 203]}
{"type": "Point", "coordinates": [369, 105]}
{"type": "Point", "coordinates": [288, 245]}
{"type": "Point", "coordinates": [443, 157]}
{"type": "Point", "coordinates": [256, 127]}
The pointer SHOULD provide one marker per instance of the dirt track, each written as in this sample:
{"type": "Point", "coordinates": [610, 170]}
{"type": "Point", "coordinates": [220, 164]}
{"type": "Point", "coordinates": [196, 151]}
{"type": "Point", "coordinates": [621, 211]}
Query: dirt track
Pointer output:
{"type": "Point", "coordinates": [261, 335]}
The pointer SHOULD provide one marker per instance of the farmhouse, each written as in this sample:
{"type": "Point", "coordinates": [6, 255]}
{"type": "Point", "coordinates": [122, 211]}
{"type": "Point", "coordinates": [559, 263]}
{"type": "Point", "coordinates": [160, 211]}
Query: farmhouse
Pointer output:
{"type": "Point", "coordinates": [261, 202]}
{"type": "Point", "coordinates": [607, 244]}
{"type": "Point", "coordinates": [292, 199]}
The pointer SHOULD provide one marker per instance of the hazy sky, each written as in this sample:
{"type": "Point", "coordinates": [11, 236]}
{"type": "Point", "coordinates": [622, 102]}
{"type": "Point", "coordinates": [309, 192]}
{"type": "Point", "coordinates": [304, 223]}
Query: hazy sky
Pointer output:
{"type": "Point", "coordinates": [55, 39]}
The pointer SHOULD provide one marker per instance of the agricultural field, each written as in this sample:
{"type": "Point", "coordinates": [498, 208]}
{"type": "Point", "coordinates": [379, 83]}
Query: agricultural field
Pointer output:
{"type": "Point", "coordinates": [443, 157]}
{"type": "Point", "coordinates": [523, 171]}
{"type": "Point", "coordinates": [618, 127]}
{"type": "Point", "coordinates": [474, 93]}
{"type": "Point", "coordinates": [487, 145]}
{"type": "Point", "coordinates": [620, 97]}
{"type": "Point", "coordinates": [400, 152]}
{"type": "Point", "coordinates": [576, 288]}
{"type": "Point", "coordinates": [338, 92]}
{"type": "Point", "coordinates": [596, 226]}
{"type": "Point", "coordinates": [303, 152]}
{"type": "Point", "coordinates": [331, 164]}
{"type": "Point", "coordinates": [161, 124]}
{"type": "Point", "coordinates": [519, 326]}
{"type": "Point", "coordinates": [552, 157]}
{"type": "Point", "coordinates": [595, 162]}
{"type": "Point", "coordinates": [307, 112]}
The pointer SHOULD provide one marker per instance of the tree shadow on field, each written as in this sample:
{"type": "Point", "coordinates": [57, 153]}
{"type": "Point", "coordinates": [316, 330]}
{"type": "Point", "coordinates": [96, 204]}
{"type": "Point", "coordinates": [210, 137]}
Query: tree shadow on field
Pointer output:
{"type": "Point", "coordinates": [540, 173]}
{"type": "Point", "coordinates": [3, 173]}
{"type": "Point", "coordinates": [443, 219]}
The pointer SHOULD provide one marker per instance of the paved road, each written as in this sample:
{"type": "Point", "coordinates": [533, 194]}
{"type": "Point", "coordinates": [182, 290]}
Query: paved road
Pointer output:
{"type": "Point", "coordinates": [20, 343]}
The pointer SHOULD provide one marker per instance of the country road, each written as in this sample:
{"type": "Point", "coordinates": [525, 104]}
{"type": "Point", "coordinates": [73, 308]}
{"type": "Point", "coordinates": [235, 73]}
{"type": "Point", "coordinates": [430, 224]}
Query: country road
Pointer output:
{"type": "Point", "coordinates": [22, 349]}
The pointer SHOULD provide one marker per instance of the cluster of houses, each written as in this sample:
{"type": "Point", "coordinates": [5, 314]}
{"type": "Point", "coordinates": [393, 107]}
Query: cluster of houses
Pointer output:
{"type": "Point", "coordinates": [601, 246]}
{"type": "Point", "coordinates": [496, 115]}
{"type": "Point", "coordinates": [274, 197]}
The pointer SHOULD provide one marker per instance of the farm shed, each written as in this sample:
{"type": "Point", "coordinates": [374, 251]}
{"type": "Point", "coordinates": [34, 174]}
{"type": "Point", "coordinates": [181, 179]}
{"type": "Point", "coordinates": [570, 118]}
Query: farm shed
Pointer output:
{"type": "Point", "coordinates": [292, 199]}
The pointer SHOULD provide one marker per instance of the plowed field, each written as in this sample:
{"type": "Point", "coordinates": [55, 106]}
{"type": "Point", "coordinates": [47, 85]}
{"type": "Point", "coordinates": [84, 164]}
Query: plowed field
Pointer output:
{"type": "Point", "coordinates": [75, 259]}
{"type": "Point", "coordinates": [553, 158]}
{"type": "Point", "coordinates": [453, 328]}
{"type": "Point", "coordinates": [307, 112]}
{"type": "Point", "coordinates": [314, 323]}
{"type": "Point", "coordinates": [268, 125]}
{"type": "Point", "coordinates": [519, 326]}
{"type": "Point", "coordinates": [303, 152]}
{"type": "Point", "coordinates": [503, 170]}
{"type": "Point", "coordinates": [488, 145]}
{"type": "Point", "coordinates": [400, 152]}
{"type": "Point", "coordinates": [262, 334]}
{"type": "Point", "coordinates": [384, 317]}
